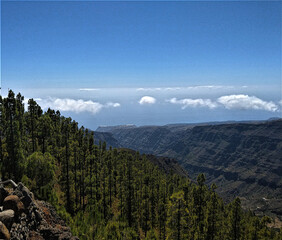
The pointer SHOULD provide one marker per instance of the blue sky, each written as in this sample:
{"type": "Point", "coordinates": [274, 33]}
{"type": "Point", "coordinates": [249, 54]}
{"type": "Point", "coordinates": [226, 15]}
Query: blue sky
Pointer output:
{"type": "Point", "coordinates": [192, 61]}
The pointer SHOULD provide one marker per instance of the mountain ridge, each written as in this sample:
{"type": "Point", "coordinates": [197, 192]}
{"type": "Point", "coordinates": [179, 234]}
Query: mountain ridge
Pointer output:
{"type": "Point", "coordinates": [242, 158]}
{"type": "Point", "coordinates": [110, 128]}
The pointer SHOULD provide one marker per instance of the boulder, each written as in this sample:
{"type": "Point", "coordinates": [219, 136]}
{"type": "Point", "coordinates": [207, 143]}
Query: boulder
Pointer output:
{"type": "Point", "coordinates": [7, 217]}
{"type": "Point", "coordinates": [24, 194]}
{"type": "Point", "coordinates": [4, 233]}
{"type": "Point", "coordinates": [27, 218]}
{"type": "Point", "coordinates": [13, 202]}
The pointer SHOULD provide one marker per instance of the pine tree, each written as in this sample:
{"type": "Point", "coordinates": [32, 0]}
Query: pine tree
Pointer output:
{"type": "Point", "coordinates": [45, 130]}
{"type": "Point", "coordinates": [199, 203]}
{"type": "Point", "coordinates": [177, 211]}
{"type": "Point", "coordinates": [235, 219]}
{"type": "Point", "coordinates": [2, 124]}
{"type": "Point", "coordinates": [34, 112]}
{"type": "Point", "coordinates": [212, 215]}
{"type": "Point", "coordinates": [14, 157]}
{"type": "Point", "coordinates": [66, 133]}
{"type": "Point", "coordinates": [112, 193]}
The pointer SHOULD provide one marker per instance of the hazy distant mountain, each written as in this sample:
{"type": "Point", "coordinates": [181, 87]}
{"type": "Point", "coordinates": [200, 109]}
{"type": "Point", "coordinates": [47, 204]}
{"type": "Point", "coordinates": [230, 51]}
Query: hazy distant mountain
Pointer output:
{"type": "Point", "coordinates": [106, 137]}
{"type": "Point", "coordinates": [112, 128]}
{"type": "Point", "coordinates": [243, 159]}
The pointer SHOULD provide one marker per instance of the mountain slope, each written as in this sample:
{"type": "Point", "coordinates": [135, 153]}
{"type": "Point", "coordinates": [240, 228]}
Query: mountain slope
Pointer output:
{"type": "Point", "coordinates": [103, 193]}
{"type": "Point", "coordinates": [106, 137]}
{"type": "Point", "coordinates": [243, 159]}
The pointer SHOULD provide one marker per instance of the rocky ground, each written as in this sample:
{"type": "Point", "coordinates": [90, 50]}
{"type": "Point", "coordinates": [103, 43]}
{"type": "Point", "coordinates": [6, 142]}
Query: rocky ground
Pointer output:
{"type": "Point", "coordinates": [23, 217]}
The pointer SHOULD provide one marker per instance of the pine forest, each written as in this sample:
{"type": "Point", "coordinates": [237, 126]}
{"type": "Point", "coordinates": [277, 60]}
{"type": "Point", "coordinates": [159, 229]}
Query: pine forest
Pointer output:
{"type": "Point", "coordinates": [105, 193]}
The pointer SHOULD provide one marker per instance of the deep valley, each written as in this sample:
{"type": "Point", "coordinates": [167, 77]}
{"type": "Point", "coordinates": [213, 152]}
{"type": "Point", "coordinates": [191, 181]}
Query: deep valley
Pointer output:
{"type": "Point", "coordinates": [243, 159]}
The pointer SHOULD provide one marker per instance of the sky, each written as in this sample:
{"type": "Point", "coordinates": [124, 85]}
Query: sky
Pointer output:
{"type": "Point", "coordinates": [145, 62]}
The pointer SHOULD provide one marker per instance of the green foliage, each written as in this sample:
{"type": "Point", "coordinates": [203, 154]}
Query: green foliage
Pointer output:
{"type": "Point", "coordinates": [39, 174]}
{"type": "Point", "coordinates": [112, 194]}
{"type": "Point", "coordinates": [177, 217]}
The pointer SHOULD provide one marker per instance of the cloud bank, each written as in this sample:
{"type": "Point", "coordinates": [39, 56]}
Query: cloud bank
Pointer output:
{"type": "Point", "coordinates": [89, 89]}
{"type": "Point", "coordinates": [188, 102]}
{"type": "Point", "coordinates": [147, 100]}
{"type": "Point", "coordinates": [239, 101]}
{"type": "Point", "coordinates": [77, 106]}
{"type": "Point", "coordinates": [245, 102]}
{"type": "Point", "coordinates": [196, 87]}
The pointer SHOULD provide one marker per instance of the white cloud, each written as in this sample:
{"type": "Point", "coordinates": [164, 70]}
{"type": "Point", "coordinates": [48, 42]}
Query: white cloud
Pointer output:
{"type": "Point", "coordinates": [196, 87]}
{"type": "Point", "coordinates": [239, 101]}
{"type": "Point", "coordinates": [172, 88]}
{"type": "Point", "coordinates": [280, 102]}
{"type": "Point", "coordinates": [140, 89]}
{"type": "Point", "coordinates": [111, 104]}
{"type": "Point", "coordinates": [89, 89]}
{"type": "Point", "coordinates": [169, 88]}
{"type": "Point", "coordinates": [147, 100]}
{"type": "Point", "coordinates": [149, 89]}
{"type": "Point", "coordinates": [245, 102]}
{"type": "Point", "coordinates": [188, 102]}
{"type": "Point", "coordinates": [205, 86]}
{"type": "Point", "coordinates": [77, 106]}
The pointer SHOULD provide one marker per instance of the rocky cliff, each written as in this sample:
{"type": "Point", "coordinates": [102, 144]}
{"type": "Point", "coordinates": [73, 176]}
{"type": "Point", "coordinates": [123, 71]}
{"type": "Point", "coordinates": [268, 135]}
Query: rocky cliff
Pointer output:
{"type": "Point", "coordinates": [23, 217]}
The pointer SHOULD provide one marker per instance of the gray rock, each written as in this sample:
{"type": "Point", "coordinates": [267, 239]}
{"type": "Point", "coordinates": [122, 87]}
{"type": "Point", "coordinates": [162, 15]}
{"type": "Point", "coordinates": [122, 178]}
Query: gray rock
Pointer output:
{"type": "Point", "coordinates": [7, 217]}
{"type": "Point", "coordinates": [24, 194]}
{"type": "Point", "coordinates": [13, 202]}
{"type": "Point", "coordinates": [35, 219]}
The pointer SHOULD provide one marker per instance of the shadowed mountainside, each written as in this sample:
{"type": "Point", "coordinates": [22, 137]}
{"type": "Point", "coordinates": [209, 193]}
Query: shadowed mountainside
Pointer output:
{"type": "Point", "coordinates": [168, 165]}
{"type": "Point", "coordinates": [243, 159]}
{"type": "Point", "coordinates": [106, 137]}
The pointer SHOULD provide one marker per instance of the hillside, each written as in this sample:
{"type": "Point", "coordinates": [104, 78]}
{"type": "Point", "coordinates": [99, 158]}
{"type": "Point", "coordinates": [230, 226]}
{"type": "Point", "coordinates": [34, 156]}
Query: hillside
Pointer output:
{"type": "Point", "coordinates": [103, 192]}
{"type": "Point", "coordinates": [106, 137]}
{"type": "Point", "coordinates": [165, 164]}
{"type": "Point", "coordinates": [243, 159]}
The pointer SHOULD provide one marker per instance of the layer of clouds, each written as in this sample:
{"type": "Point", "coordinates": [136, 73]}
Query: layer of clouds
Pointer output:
{"type": "Point", "coordinates": [187, 88]}
{"type": "Point", "coordinates": [230, 102]}
{"type": "Point", "coordinates": [147, 100]}
{"type": "Point", "coordinates": [239, 101]}
{"type": "Point", "coordinates": [77, 106]}
{"type": "Point", "coordinates": [89, 89]}
{"type": "Point", "coordinates": [159, 89]}
{"type": "Point", "coordinates": [246, 102]}
{"type": "Point", "coordinates": [188, 102]}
